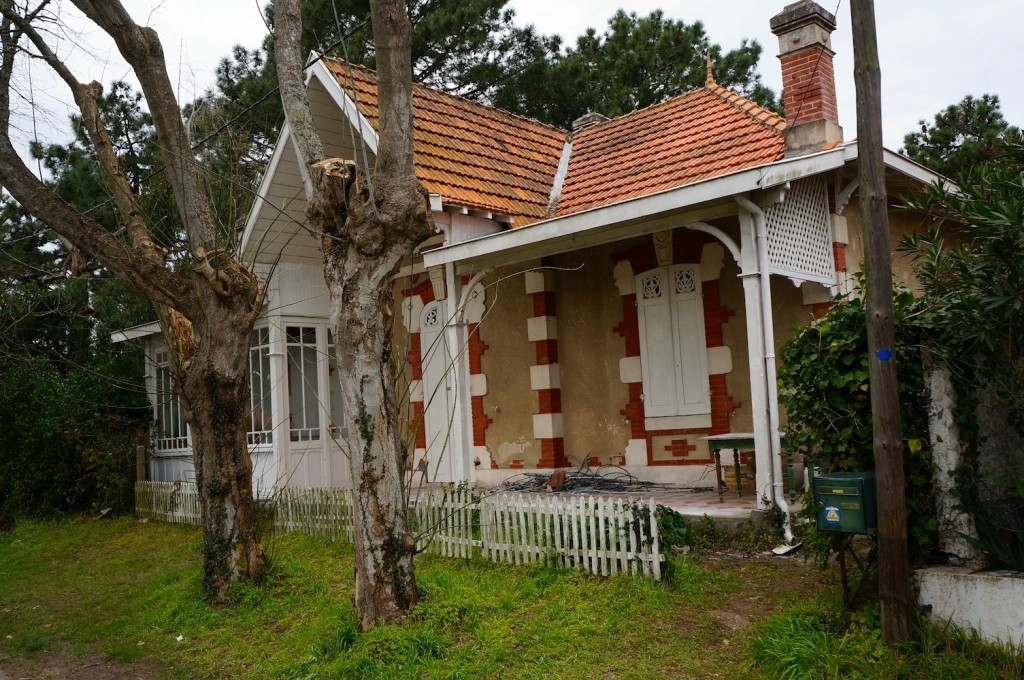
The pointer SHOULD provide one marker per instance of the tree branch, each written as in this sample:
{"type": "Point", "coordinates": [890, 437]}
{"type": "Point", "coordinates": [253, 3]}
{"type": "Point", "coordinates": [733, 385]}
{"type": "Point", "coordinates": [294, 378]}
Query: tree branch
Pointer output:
{"type": "Point", "coordinates": [87, 99]}
{"type": "Point", "coordinates": [392, 34]}
{"type": "Point", "coordinates": [163, 285]}
{"type": "Point", "coordinates": [288, 41]}
{"type": "Point", "coordinates": [141, 48]}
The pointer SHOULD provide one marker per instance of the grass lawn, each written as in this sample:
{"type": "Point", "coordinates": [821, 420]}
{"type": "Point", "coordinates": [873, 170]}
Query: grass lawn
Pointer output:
{"type": "Point", "coordinates": [118, 598]}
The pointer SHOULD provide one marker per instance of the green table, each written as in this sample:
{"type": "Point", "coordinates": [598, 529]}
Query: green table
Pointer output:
{"type": "Point", "coordinates": [736, 442]}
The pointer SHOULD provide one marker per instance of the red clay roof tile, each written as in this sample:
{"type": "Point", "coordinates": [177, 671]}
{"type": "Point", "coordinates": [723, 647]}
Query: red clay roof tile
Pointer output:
{"type": "Point", "coordinates": [484, 158]}
{"type": "Point", "coordinates": [471, 154]}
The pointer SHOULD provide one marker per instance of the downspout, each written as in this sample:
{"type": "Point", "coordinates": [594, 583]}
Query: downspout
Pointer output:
{"type": "Point", "coordinates": [767, 323]}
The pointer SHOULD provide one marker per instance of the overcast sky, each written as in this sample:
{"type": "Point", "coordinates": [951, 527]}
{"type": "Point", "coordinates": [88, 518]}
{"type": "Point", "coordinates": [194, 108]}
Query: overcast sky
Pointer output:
{"type": "Point", "coordinates": [932, 53]}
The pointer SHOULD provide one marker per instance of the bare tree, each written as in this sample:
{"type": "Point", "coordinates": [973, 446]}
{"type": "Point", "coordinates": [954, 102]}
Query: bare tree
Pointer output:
{"type": "Point", "coordinates": [369, 222]}
{"type": "Point", "coordinates": [207, 302]}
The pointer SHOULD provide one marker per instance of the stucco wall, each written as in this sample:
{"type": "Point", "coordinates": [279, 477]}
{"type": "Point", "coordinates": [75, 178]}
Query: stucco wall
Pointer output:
{"type": "Point", "coordinates": [900, 225]}
{"type": "Point", "coordinates": [589, 307]}
{"type": "Point", "coordinates": [509, 402]}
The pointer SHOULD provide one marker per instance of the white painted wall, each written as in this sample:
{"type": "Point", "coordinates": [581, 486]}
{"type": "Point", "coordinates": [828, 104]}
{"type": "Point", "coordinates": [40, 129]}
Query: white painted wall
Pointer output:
{"type": "Point", "coordinates": [990, 602]}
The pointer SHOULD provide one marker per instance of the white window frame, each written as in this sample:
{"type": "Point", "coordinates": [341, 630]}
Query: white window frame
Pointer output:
{"type": "Point", "coordinates": [305, 423]}
{"type": "Point", "coordinates": [261, 413]}
{"type": "Point", "coordinates": [673, 348]}
{"type": "Point", "coordinates": [335, 407]}
{"type": "Point", "coordinates": [167, 409]}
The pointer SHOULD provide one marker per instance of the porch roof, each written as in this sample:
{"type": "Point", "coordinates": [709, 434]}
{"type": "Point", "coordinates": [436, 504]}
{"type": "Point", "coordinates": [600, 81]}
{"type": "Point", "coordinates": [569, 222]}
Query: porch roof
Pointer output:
{"type": "Point", "coordinates": [698, 201]}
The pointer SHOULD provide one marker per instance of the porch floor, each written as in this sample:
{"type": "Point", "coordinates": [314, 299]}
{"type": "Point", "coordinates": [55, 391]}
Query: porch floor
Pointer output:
{"type": "Point", "coordinates": [688, 502]}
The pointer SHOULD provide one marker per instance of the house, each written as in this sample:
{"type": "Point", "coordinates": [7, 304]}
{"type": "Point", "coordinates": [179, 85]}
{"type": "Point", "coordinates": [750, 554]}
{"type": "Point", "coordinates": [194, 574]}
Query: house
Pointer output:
{"type": "Point", "coordinates": [613, 293]}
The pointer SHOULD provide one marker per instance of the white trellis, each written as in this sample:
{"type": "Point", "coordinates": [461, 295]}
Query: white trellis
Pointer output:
{"type": "Point", "coordinates": [799, 233]}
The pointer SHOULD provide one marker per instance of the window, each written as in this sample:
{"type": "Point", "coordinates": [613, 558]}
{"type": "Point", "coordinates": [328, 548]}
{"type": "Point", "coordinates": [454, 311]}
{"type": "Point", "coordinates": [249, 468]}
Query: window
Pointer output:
{"type": "Point", "coordinates": [337, 408]}
{"type": "Point", "coordinates": [673, 347]}
{"type": "Point", "coordinates": [261, 425]}
{"type": "Point", "coordinates": [303, 383]}
{"type": "Point", "coordinates": [170, 430]}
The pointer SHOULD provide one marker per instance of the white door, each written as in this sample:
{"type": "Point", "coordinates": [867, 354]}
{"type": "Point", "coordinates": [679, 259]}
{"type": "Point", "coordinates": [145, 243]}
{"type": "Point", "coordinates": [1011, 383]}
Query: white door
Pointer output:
{"type": "Point", "coordinates": [438, 368]}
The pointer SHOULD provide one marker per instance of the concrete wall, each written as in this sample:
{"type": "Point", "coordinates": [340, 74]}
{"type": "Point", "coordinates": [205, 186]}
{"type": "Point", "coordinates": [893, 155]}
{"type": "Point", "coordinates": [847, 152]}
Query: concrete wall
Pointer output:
{"type": "Point", "coordinates": [990, 602]}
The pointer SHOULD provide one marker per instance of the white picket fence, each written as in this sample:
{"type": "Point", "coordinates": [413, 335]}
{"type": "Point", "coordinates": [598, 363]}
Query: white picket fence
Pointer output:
{"type": "Point", "coordinates": [175, 502]}
{"type": "Point", "coordinates": [602, 535]}
{"type": "Point", "coordinates": [320, 512]}
{"type": "Point", "coordinates": [605, 536]}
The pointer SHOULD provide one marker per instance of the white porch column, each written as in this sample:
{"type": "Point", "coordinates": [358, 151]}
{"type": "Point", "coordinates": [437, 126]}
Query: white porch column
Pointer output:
{"type": "Point", "coordinates": [279, 399]}
{"type": "Point", "coordinates": [461, 409]}
{"type": "Point", "coordinates": [755, 357]}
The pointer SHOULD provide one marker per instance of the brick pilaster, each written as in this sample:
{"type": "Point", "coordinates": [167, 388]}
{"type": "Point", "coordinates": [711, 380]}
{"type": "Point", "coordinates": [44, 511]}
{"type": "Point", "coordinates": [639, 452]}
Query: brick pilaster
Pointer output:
{"type": "Point", "coordinates": [545, 374]}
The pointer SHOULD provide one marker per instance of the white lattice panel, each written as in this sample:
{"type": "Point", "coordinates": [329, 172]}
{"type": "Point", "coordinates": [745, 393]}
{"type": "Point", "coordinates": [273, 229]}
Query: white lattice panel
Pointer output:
{"type": "Point", "coordinates": [799, 238]}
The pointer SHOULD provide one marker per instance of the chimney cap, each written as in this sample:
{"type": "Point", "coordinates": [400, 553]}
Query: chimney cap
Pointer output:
{"type": "Point", "coordinates": [801, 13]}
{"type": "Point", "coordinates": [589, 119]}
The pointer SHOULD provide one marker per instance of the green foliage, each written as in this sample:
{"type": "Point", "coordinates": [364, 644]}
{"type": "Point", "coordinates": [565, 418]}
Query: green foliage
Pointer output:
{"type": "Point", "coordinates": [71, 402]}
{"type": "Point", "coordinates": [636, 62]}
{"type": "Point", "coordinates": [818, 641]}
{"type": "Point", "coordinates": [69, 437]}
{"type": "Point", "coordinates": [824, 387]}
{"type": "Point", "coordinates": [970, 261]}
{"type": "Point", "coordinates": [963, 136]}
{"type": "Point", "coordinates": [678, 531]}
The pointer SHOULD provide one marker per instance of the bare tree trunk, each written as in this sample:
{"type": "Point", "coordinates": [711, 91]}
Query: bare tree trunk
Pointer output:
{"type": "Point", "coordinates": [209, 306]}
{"type": "Point", "coordinates": [213, 386]}
{"type": "Point", "coordinates": [368, 228]}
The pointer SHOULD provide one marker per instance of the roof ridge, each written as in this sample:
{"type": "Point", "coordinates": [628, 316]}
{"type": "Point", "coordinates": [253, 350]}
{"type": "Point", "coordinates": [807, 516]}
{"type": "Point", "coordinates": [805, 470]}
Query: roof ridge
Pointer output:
{"type": "Point", "coordinates": [643, 109]}
{"type": "Point", "coordinates": [467, 100]}
{"type": "Point", "coordinates": [754, 111]}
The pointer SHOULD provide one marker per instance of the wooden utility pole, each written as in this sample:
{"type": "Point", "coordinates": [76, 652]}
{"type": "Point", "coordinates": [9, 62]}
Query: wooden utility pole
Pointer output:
{"type": "Point", "coordinates": [893, 556]}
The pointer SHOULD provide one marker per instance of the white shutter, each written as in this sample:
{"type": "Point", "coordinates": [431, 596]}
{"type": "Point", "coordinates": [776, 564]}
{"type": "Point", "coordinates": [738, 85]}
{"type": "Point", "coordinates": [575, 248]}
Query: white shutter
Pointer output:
{"type": "Point", "coordinates": [673, 346]}
{"type": "Point", "coordinates": [657, 362]}
{"type": "Point", "coordinates": [691, 357]}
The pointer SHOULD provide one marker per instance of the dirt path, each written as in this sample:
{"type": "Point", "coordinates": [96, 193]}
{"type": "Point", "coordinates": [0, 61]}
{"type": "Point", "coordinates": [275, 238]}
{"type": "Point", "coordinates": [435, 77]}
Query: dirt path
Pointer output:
{"type": "Point", "coordinates": [61, 666]}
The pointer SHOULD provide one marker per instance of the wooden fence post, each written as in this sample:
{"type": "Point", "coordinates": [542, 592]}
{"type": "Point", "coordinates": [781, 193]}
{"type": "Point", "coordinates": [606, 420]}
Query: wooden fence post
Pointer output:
{"type": "Point", "coordinates": [140, 463]}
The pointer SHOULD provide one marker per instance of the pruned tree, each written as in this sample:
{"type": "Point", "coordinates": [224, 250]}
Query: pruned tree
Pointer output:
{"type": "Point", "coordinates": [369, 220]}
{"type": "Point", "coordinates": [206, 299]}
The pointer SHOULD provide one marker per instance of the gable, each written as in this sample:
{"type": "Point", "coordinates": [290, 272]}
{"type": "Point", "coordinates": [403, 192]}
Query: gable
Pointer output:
{"type": "Point", "coordinates": [471, 154]}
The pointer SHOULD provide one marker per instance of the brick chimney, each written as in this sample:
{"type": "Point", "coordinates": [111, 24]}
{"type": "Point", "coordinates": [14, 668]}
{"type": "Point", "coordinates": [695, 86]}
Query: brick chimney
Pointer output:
{"type": "Point", "coordinates": [808, 83]}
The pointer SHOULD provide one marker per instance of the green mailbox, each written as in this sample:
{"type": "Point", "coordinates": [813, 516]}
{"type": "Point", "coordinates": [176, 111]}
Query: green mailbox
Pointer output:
{"type": "Point", "coordinates": [845, 502]}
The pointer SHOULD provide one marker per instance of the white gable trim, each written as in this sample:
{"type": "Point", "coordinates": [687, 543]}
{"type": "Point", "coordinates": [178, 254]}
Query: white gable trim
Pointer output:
{"type": "Point", "coordinates": [268, 179]}
{"type": "Point", "coordinates": [351, 112]}
{"type": "Point", "coordinates": [136, 332]}
{"type": "Point", "coordinates": [664, 209]}
{"type": "Point", "coordinates": [345, 103]}
{"type": "Point", "coordinates": [913, 169]}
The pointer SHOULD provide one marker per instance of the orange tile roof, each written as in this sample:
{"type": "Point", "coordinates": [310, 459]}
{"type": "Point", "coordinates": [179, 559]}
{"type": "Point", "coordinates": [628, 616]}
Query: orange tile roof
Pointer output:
{"type": "Point", "coordinates": [701, 134]}
{"type": "Point", "coordinates": [477, 156]}
{"type": "Point", "coordinates": [472, 154]}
